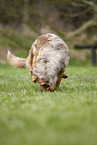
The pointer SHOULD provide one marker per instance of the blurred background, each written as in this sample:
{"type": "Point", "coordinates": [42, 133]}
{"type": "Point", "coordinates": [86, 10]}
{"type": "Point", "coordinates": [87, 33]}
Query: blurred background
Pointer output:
{"type": "Point", "coordinates": [22, 21]}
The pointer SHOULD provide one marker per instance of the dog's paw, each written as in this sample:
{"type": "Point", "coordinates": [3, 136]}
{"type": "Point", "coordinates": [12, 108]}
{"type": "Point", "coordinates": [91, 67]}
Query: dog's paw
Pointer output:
{"type": "Point", "coordinates": [65, 76]}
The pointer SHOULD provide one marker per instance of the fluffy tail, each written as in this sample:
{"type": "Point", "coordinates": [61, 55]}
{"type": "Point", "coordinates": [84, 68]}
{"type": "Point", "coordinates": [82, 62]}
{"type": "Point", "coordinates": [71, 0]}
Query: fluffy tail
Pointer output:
{"type": "Point", "coordinates": [16, 61]}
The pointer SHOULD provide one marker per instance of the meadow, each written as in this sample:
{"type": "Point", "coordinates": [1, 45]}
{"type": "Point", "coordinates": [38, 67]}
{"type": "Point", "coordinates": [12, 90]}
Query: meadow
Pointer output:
{"type": "Point", "coordinates": [67, 115]}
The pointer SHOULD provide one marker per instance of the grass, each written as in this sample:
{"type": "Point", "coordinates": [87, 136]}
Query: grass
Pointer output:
{"type": "Point", "coordinates": [67, 115]}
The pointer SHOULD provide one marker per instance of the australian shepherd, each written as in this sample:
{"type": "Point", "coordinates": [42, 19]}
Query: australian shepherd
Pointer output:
{"type": "Point", "coordinates": [47, 60]}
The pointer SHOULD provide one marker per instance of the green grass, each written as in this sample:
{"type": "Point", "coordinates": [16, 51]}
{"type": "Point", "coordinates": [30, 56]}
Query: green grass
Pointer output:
{"type": "Point", "coordinates": [67, 115]}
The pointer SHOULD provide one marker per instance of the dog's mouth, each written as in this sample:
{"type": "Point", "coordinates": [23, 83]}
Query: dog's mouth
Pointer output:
{"type": "Point", "coordinates": [44, 85]}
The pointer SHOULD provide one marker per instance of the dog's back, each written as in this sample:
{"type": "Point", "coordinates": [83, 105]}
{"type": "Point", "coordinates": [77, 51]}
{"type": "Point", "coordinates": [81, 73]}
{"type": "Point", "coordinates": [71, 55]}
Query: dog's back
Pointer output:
{"type": "Point", "coordinates": [53, 57]}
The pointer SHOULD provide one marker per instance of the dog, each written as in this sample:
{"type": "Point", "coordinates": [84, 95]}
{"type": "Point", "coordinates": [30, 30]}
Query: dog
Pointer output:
{"type": "Point", "coordinates": [47, 60]}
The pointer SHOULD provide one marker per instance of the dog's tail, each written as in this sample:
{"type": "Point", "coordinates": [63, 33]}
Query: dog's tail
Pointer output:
{"type": "Point", "coordinates": [16, 61]}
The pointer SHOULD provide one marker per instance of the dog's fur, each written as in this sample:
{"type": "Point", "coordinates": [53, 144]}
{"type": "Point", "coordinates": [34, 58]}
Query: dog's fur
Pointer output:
{"type": "Point", "coordinates": [47, 60]}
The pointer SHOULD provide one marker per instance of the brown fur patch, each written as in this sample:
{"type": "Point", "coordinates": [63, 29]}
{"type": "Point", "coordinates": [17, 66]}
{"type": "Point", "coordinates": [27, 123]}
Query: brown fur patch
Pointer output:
{"type": "Point", "coordinates": [45, 61]}
{"type": "Point", "coordinates": [31, 56]}
{"type": "Point", "coordinates": [41, 41]}
{"type": "Point", "coordinates": [59, 46]}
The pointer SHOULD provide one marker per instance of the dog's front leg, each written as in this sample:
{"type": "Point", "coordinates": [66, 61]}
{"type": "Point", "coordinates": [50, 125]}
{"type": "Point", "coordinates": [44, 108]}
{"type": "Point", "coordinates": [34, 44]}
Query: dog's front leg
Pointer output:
{"type": "Point", "coordinates": [60, 75]}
